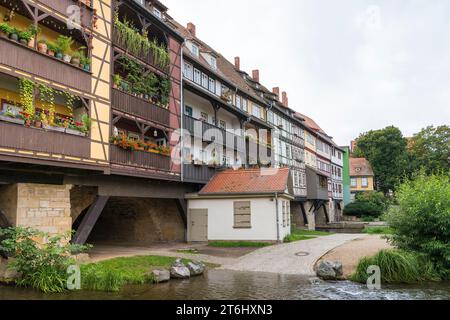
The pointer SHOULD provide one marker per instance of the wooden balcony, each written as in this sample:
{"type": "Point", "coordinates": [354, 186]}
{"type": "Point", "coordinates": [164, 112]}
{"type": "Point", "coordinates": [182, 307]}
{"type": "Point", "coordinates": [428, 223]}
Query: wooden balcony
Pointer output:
{"type": "Point", "coordinates": [198, 128]}
{"type": "Point", "coordinates": [315, 190]}
{"type": "Point", "coordinates": [135, 106]}
{"type": "Point", "coordinates": [146, 58]}
{"type": "Point", "coordinates": [27, 59]}
{"type": "Point", "coordinates": [62, 5]}
{"type": "Point", "coordinates": [139, 159]}
{"type": "Point", "coordinates": [21, 138]}
{"type": "Point", "coordinates": [198, 174]}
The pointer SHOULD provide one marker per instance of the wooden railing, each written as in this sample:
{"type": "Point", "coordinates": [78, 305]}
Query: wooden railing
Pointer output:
{"type": "Point", "coordinates": [62, 5]}
{"type": "Point", "coordinates": [139, 159]}
{"type": "Point", "coordinates": [147, 58]}
{"type": "Point", "coordinates": [29, 60]}
{"type": "Point", "coordinates": [135, 106]}
{"type": "Point", "coordinates": [198, 174]}
{"type": "Point", "coordinates": [19, 137]}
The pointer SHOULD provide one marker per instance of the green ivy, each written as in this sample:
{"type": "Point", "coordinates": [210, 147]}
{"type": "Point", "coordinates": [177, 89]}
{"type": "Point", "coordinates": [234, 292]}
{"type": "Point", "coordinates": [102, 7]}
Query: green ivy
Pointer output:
{"type": "Point", "coordinates": [26, 88]}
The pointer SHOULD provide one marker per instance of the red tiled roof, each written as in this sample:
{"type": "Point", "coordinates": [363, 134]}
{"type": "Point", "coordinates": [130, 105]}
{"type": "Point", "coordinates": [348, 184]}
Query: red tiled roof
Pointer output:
{"type": "Point", "coordinates": [257, 181]}
{"type": "Point", "coordinates": [360, 167]}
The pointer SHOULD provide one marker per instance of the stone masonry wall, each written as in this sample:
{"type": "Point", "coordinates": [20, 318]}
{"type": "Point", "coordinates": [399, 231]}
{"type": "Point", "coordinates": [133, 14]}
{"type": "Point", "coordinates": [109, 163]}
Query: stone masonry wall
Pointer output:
{"type": "Point", "coordinates": [44, 207]}
{"type": "Point", "coordinates": [8, 202]}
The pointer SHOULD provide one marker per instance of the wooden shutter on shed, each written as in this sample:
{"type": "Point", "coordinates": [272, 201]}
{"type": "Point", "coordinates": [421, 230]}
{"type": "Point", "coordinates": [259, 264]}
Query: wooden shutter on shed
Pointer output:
{"type": "Point", "coordinates": [242, 215]}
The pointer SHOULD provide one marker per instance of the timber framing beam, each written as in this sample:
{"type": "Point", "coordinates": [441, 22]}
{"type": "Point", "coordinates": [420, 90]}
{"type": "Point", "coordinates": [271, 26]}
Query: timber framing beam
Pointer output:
{"type": "Point", "coordinates": [90, 220]}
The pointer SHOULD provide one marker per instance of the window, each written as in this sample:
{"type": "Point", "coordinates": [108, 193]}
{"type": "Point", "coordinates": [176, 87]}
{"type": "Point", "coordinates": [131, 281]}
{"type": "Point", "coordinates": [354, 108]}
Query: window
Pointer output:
{"type": "Point", "coordinates": [213, 62]}
{"type": "Point", "coordinates": [354, 183]}
{"type": "Point", "coordinates": [212, 85]}
{"type": "Point", "coordinates": [188, 111]}
{"type": "Point", "coordinates": [365, 182]}
{"type": "Point", "coordinates": [205, 81]}
{"type": "Point", "coordinates": [340, 155]}
{"type": "Point", "coordinates": [203, 117]}
{"type": "Point", "coordinates": [197, 76]}
{"type": "Point", "coordinates": [238, 102]}
{"type": "Point", "coordinates": [188, 71]}
{"type": "Point", "coordinates": [194, 49]}
{"type": "Point", "coordinates": [242, 215]}
{"type": "Point", "coordinates": [157, 13]}
{"type": "Point", "coordinates": [245, 105]}
{"type": "Point", "coordinates": [218, 88]}
{"type": "Point", "coordinates": [256, 111]}
{"type": "Point", "coordinates": [270, 117]}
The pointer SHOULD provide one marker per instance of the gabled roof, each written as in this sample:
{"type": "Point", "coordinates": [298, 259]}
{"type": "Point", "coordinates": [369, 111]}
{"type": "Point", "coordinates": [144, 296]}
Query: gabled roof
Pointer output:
{"type": "Point", "coordinates": [360, 167]}
{"type": "Point", "coordinates": [248, 182]}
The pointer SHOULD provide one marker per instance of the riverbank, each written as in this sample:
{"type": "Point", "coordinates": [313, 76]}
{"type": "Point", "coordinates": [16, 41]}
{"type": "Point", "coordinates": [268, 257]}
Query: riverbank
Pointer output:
{"type": "Point", "coordinates": [352, 252]}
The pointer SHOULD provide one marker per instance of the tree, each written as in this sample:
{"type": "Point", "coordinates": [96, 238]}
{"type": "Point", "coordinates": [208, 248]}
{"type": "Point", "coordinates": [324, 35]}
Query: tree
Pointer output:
{"type": "Point", "coordinates": [421, 222]}
{"type": "Point", "coordinates": [386, 150]}
{"type": "Point", "coordinates": [430, 149]}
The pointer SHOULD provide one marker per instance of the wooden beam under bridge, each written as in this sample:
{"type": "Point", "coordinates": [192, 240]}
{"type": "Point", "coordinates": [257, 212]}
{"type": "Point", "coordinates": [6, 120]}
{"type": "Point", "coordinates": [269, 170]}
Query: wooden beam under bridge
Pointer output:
{"type": "Point", "coordinates": [89, 220]}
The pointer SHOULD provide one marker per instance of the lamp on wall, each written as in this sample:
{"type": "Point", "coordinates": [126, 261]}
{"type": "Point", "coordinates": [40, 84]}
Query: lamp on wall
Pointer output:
{"type": "Point", "coordinates": [155, 134]}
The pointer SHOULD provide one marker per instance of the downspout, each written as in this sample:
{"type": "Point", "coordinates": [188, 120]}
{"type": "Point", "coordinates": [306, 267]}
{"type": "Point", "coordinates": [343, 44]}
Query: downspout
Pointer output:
{"type": "Point", "coordinates": [278, 218]}
{"type": "Point", "coordinates": [182, 111]}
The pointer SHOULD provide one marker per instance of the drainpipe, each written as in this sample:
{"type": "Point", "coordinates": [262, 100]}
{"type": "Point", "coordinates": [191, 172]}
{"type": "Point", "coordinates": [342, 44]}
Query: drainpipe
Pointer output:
{"type": "Point", "coordinates": [182, 111]}
{"type": "Point", "coordinates": [278, 218]}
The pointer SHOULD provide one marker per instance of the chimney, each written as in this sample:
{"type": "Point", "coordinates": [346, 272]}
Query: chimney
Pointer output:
{"type": "Point", "coordinates": [237, 63]}
{"type": "Point", "coordinates": [191, 28]}
{"type": "Point", "coordinates": [285, 100]}
{"type": "Point", "coordinates": [256, 75]}
{"type": "Point", "coordinates": [276, 90]}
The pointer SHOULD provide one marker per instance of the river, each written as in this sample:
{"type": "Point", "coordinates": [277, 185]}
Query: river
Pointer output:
{"type": "Point", "coordinates": [228, 285]}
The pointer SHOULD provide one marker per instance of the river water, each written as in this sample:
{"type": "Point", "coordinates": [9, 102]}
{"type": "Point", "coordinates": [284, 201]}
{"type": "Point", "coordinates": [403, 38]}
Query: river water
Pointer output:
{"type": "Point", "coordinates": [228, 285]}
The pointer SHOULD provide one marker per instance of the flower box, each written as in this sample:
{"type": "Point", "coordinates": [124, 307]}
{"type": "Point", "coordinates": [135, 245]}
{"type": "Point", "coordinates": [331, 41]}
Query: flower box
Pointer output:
{"type": "Point", "coordinates": [75, 132]}
{"type": "Point", "coordinates": [12, 120]}
{"type": "Point", "coordinates": [52, 128]}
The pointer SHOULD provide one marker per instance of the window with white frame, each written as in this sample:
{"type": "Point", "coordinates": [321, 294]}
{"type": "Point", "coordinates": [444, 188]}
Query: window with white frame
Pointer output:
{"type": "Point", "coordinates": [197, 76]}
{"type": "Point", "coordinates": [238, 102]}
{"type": "Point", "coordinates": [157, 13]}
{"type": "Point", "coordinates": [188, 71]}
{"type": "Point", "coordinates": [270, 117]}
{"type": "Point", "coordinates": [245, 105]}
{"type": "Point", "coordinates": [365, 182]}
{"type": "Point", "coordinates": [194, 49]}
{"type": "Point", "coordinates": [256, 111]}
{"type": "Point", "coordinates": [188, 111]}
{"type": "Point", "coordinates": [205, 81]}
{"type": "Point", "coordinates": [218, 88]}
{"type": "Point", "coordinates": [212, 85]}
{"type": "Point", "coordinates": [213, 62]}
{"type": "Point", "coordinates": [354, 182]}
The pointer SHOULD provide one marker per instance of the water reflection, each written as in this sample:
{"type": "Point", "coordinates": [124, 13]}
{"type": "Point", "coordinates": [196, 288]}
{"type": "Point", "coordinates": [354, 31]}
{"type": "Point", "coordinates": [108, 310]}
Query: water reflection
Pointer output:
{"type": "Point", "coordinates": [221, 284]}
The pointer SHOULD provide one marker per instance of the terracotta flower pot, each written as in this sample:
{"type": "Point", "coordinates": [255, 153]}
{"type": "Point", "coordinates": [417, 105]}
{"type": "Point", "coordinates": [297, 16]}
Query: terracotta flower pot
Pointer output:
{"type": "Point", "coordinates": [75, 61]}
{"type": "Point", "coordinates": [51, 53]}
{"type": "Point", "coordinates": [3, 34]}
{"type": "Point", "coordinates": [42, 47]}
{"type": "Point", "coordinates": [31, 43]}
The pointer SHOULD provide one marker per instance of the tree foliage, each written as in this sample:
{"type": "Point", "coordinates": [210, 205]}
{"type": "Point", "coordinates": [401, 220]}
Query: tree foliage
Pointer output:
{"type": "Point", "coordinates": [386, 150]}
{"type": "Point", "coordinates": [421, 222]}
{"type": "Point", "coordinates": [430, 149]}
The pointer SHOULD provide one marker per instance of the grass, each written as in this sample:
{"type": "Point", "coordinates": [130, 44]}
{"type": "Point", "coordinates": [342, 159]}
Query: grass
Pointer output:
{"type": "Point", "coordinates": [397, 267]}
{"type": "Point", "coordinates": [238, 244]}
{"type": "Point", "coordinates": [300, 235]}
{"type": "Point", "coordinates": [378, 230]}
{"type": "Point", "coordinates": [112, 275]}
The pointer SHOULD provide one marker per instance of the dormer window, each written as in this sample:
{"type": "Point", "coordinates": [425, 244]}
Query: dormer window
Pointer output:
{"type": "Point", "coordinates": [194, 49]}
{"type": "Point", "coordinates": [156, 12]}
{"type": "Point", "coordinates": [213, 62]}
{"type": "Point", "coordinates": [358, 169]}
{"type": "Point", "coordinates": [141, 2]}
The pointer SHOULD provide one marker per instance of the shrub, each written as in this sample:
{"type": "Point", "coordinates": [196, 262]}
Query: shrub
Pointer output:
{"type": "Point", "coordinates": [397, 266]}
{"type": "Point", "coordinates": [421, 222]}
{"type": "Point", "coordinates": [360, 209]}
{"type": "Point", "coordinates": [43, 265]}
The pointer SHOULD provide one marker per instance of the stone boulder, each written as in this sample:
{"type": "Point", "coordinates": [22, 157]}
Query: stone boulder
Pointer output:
{"type": "Point", "coordinates": [179, 270]}
{"type": "Point", "coordinates": [161, 276]}
{"type": "Point", "coordinates": [8, 274]}
{"type": "Point", "coordinates": [196, 268]}
{"type": "Point", "coordinates": [330, 270]}
{"type": "Point", "coordinates": [82, 258]}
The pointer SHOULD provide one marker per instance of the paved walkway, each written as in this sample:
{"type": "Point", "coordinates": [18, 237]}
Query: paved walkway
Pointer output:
{"type": "Point", "coordinates": [297, 258]}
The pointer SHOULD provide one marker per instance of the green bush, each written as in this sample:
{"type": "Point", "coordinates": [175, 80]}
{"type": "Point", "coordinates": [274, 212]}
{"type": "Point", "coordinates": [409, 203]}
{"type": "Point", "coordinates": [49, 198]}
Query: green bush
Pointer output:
{"type": "Point", "coordinates": [421, 222]}
{"type": "Point", "coordinates": [360, 209]}
{"type": "Point", "coordinates": [397, 266]}
{"type": "Point", "coordinates": [43, 265]}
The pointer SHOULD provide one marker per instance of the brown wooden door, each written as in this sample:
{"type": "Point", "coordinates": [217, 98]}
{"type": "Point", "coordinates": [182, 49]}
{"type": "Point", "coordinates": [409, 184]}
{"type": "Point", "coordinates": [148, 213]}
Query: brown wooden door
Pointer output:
{"type": "Point", "coordinates": [198, 225]}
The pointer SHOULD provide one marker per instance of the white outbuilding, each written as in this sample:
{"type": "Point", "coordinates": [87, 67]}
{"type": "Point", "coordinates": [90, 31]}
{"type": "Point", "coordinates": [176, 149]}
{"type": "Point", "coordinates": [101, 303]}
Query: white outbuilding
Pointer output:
{"type": "Point", "coordinates": [242, 205]}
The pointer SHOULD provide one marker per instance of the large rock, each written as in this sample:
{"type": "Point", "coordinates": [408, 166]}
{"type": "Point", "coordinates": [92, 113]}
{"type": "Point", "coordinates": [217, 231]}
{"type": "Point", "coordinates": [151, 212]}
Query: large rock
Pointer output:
{"type": "Point", "coordinates": [196, 268]}
{"type": "Point", "coordinates": [161, 275]}
{"type": "Point", "coordinates": [179, 270]}
{"type": "Point", "coordinates": [338, 268]}
{"type": "Point", "coordinates": [82, 258]}
{"type": "Point", "coordinates": [7, 273]}
{"type": "Point", "coordinates": [326, 271]}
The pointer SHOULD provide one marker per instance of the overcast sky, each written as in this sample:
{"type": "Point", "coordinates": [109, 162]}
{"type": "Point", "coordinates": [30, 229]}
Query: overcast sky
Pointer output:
{"type": "Point", "coordinates": [352, 65]}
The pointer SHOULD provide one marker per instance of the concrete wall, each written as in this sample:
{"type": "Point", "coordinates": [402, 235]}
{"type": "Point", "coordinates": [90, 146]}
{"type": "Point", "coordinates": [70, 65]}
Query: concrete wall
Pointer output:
{"type": "Point", "coordinates": [221, 220]}
{"type": "Point", "coordinates": [132, 221]}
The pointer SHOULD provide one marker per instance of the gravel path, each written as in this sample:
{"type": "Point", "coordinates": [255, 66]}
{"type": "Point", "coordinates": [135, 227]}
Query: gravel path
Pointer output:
{"type": "Point", "coordinates": [350, 253]}
{"type": "Point", "coordinates": [297, 258]}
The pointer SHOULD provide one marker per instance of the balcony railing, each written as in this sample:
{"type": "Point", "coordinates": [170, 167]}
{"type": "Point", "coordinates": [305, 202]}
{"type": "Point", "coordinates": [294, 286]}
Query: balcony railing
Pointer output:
{"type": "Point", "coordinates": [135, 106]}
{"type": "Point", "coordinates": [147, 58]}
{"type": "Point", "coordinates": [139, 159]}
{"type": "Point", "coordinates": [62, 5]}
{"type": "Point", "coordinates": [198, 174]}
{"type": "Point", "coordinates": [21, 138]}
{"type": "Point", "coordinates": [198, 128]}
{"type": "Point", "coordinates": [29, 60]}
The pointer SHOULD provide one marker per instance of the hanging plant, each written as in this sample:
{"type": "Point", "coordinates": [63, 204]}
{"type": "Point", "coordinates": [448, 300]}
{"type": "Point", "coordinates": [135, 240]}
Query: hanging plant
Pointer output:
{"type": "Point", "coordinates": [26, 89]}
{"type": "Point", "coordinates": [47, 96]}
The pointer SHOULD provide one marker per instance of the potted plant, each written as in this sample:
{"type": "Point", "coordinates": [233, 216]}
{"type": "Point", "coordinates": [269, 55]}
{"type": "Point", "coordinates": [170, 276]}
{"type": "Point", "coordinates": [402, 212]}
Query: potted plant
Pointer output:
{"type": "Point", "coordinates": [51, 49]}
{"type": "Point", "coordinates": [76, 58]}
{"type": "Point", "coordinates": [64, 43]}
{"type": "Point", "coordinates": [25, 37]}
{"type": "Point", "coordinates": [37, 121]}
{"type": "Point", "coordinates": [14, 34]}
{"type": "Point", "coordinates": [5, 30]}
{"type": "Point", "coordinates": [33, 31]}
{"type": "Point", "coordinates": [85, 63]}
{"type": "Point", "coordinates": [8, 116]}
{"type": "Point", "coordinates": [42, 46]}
